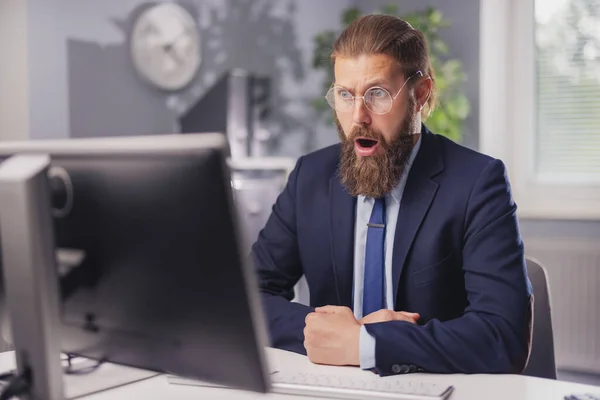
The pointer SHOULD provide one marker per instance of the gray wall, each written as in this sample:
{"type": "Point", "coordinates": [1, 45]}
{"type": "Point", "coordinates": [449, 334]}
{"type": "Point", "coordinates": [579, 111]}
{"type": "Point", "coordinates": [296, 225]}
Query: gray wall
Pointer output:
{"type": "Point", "coordinates": [83, 82]}
{"type": "Point", "coordinates": [462, 38]}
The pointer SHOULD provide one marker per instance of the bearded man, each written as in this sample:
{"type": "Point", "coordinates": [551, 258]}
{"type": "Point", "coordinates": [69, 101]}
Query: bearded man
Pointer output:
{"type": "Point", "coordinates": [409, 242]}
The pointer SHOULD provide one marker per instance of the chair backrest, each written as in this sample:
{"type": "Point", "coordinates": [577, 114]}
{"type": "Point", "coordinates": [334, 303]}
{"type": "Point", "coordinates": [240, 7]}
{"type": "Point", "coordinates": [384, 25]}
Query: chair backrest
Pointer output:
{"type": "Point", "coordinates": [541, 360]}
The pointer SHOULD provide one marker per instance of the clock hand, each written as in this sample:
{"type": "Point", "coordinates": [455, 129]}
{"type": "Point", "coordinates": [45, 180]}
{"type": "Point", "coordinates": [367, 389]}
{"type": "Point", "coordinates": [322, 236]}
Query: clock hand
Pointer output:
{"type": "Point", "coordinates": [173, 54]}
{"type": "Point", "coordinates": [173, 41]}
{"type": "Point", "coordinates": [170, 45]}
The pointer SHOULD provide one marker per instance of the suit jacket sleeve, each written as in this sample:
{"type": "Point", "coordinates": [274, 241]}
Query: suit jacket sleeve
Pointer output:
{"type": "Point", "coordinates": [492, 336]}
{"type": "Point", "coordinates": [277, 260]}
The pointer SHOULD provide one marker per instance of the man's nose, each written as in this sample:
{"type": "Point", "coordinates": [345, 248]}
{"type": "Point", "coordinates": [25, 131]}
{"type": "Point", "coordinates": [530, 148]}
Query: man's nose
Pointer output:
{"type": "Point", "coordinates": [361, 114]}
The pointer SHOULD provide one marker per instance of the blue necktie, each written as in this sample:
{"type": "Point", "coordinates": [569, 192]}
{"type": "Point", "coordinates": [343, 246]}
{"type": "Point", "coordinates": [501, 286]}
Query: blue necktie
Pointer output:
{"type": "Point", "coordinates": [374, 260]}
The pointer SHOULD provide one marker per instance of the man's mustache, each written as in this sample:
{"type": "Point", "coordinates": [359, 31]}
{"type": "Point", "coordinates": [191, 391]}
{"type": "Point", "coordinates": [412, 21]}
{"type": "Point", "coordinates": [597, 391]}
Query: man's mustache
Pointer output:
{"type": "Point", "coordinates": [366, 133]}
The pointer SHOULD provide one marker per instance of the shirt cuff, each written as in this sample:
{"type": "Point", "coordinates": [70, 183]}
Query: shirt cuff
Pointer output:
{"type": "Point", "coordinates": [367, 349]}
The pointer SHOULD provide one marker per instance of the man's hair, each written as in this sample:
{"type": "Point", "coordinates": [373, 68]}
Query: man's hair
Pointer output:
{"type": "Point", "coordinates": [386, 34]}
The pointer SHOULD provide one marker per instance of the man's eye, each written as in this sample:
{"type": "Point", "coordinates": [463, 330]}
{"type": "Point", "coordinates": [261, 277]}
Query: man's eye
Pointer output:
{"type": "Point", "coordinates": [344, 94]}
{"type": "Point", "coordinates": [378, 93]}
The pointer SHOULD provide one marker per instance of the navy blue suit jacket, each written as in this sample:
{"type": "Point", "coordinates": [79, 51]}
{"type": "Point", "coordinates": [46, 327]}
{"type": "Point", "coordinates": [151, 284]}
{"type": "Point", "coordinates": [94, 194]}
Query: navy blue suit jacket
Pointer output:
{"type": "Point", "coordinates": [458, 261]}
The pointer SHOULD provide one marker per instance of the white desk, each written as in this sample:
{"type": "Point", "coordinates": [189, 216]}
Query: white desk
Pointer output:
{"type": "Point", "coordinates": [466, 387]}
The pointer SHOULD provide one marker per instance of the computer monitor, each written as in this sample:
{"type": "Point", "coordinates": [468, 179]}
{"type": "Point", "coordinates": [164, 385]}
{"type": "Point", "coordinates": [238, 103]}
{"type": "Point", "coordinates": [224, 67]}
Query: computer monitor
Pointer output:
{"type": "Point", "coordinates": [153, 275]}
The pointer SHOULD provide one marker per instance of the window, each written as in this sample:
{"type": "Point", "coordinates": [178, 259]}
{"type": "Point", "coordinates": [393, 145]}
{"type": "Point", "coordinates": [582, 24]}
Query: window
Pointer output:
{"type": "Point", "coordinates": [540, 102]}
{"type": "Point", "coordinates": [567, 37]}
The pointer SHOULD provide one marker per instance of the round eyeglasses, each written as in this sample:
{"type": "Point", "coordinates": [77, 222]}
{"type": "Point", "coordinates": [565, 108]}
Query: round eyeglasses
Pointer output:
{"type": "Point", "coordinates": [377, 99]}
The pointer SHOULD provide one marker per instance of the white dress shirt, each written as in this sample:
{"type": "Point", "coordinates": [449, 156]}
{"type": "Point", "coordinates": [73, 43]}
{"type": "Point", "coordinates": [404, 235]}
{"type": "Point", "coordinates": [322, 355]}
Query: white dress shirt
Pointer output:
{"type": "Point", "coordinates": [364, 206]}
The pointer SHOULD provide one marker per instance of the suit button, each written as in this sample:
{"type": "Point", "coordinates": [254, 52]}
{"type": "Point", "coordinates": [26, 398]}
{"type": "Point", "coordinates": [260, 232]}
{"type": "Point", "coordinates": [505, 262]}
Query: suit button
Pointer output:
{"type": "Point", "coordinates": [412, 369]}
{"type": "Point", "coordinates": [396, 369]}
{"type": "Point", "coordinates": [404, 369]}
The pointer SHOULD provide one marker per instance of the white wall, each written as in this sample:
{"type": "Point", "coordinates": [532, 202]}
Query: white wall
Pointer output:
{"type": "Point", "coordinates": [14, 79]}
{"type": "Point", "coordinates": [47, 47]}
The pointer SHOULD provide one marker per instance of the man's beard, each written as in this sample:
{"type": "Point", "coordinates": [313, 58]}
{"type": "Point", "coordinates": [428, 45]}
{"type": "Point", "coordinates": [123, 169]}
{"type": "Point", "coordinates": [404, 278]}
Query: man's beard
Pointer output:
{"type": "Point", "coordinates": [376, 175]}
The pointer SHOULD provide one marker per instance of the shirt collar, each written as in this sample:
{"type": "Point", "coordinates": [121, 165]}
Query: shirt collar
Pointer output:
{"type": "Point", "coordinates": [396, 193]}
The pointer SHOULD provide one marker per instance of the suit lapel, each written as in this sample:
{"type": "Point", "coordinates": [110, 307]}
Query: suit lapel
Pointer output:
{"type": "Point", "coordinates": [418, 195]}
{"type": "Point", "coordinates": [342, 216]}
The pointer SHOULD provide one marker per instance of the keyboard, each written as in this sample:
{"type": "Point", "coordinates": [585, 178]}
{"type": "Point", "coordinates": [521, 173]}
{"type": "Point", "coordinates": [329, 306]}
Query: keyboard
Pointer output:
{"type": "Point", "coordinates": [342, 387]}
{"type": "Point", "coordinates": [585, 396]}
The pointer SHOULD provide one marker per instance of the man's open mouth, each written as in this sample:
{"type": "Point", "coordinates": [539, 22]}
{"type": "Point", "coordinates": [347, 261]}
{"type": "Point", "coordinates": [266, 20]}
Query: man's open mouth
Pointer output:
{"type": "Point", "coordinates": [365, 147]}
{"type": "Point", "coordinates": [366, 143]}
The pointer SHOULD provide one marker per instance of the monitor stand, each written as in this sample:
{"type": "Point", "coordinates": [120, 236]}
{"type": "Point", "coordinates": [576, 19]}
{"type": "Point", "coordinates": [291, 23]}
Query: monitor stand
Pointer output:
{"type": "Point", "coordinates": [31, 285]}
{"type": "Point", "coordinates": [107, 376]}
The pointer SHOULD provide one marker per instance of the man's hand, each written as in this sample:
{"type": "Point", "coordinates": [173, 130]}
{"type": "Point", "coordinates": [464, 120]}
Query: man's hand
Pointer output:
{"type": "Point", "coordinates": [331, 336]}
{"type": "Point", "coordinates": [389, 315]}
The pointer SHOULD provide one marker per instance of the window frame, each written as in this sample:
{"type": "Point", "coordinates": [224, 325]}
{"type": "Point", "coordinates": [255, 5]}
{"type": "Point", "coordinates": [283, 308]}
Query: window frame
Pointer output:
{"type": "Point", "coordinates": [508, 114]}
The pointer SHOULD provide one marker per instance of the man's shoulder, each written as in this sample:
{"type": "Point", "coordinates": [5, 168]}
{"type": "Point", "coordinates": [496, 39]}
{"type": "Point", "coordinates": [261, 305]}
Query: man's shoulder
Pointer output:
{"type": "Point", "coordinates": [315, 169]}
{"type": "Point", "coordinates": [459, 152]}
{"type": "Point", "coordinates": [323, 161]}
{"type": "Point", "coordinates": [459, 159]}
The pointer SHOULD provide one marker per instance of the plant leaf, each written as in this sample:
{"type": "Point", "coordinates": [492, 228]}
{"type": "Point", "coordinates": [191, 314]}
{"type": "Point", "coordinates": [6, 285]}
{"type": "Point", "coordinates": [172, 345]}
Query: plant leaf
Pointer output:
{"type": "Point", "coordinates": [350, 15]}
{"type": "Point", "coordinates": [461, 106]}
{"type": "Point", "coordinates": [439, 47]}
{"type": "Point", "coordinates": [434, 16]}
{"type": "Point", "coordinates": [390, 9]}
{"type": "Point", "coordinates": [323, 45]}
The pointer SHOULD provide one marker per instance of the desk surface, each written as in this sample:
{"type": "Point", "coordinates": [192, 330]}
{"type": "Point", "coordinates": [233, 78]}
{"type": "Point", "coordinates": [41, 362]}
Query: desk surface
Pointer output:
{"type": "Point", "coordinates": [466, 387]}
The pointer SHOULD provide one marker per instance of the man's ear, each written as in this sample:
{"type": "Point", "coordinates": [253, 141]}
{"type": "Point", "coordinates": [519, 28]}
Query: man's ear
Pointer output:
{"type": "Point", "coordinates": [423, 91]}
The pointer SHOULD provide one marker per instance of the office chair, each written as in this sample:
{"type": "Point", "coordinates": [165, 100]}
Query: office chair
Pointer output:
{"type": "Point", "coordinates": [541, 360]}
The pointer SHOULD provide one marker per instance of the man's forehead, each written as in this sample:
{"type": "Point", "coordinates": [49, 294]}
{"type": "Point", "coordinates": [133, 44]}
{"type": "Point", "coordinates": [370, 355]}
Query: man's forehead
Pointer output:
{"type": "Point", "coordinates": [365, 70]}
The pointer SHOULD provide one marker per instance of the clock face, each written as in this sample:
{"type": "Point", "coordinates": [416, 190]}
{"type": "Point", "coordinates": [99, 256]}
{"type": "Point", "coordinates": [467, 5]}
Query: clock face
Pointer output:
{"type": "Point", "coordinates": [165, 46]}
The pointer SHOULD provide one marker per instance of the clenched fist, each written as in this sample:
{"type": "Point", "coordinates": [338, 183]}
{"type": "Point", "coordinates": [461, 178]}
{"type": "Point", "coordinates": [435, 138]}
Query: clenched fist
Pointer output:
{"type": "Point", "coordinates": [331, 336]}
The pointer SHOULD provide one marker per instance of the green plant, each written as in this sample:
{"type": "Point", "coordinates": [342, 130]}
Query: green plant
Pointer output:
{"type": "Point", "coordinates": [453, 106]}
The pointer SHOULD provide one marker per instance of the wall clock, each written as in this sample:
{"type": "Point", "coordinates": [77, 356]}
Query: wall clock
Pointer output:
{"type": "Point", "coordinates": [165, 46]}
